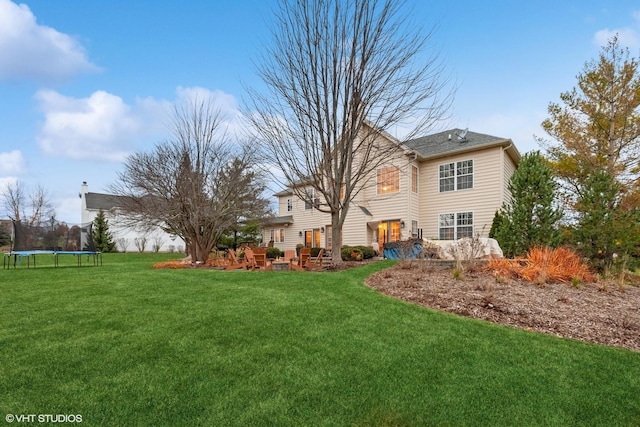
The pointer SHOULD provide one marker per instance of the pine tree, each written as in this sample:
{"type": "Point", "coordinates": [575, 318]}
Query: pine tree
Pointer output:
{"type": "Point", "coordinates": [102, 238]}
{"type": "Point", "coordinates": [531, 218]}
{"type": "Point", "coordinates": [605, 233]}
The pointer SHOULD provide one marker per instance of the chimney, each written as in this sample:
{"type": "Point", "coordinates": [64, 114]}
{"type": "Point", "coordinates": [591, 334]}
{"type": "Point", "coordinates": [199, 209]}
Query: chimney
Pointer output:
{"type": "Point", "coordinates": [84, 188]}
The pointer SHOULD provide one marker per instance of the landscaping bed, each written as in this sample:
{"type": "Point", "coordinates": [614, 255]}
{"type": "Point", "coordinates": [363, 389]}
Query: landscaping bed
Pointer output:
{"type": "Point", "coordinates": [604, 313]}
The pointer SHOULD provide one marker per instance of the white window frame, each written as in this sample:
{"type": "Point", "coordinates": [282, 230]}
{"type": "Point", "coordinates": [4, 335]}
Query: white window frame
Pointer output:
{"type": "Point", "coordinates": [461, 224]}
{"type": "Point", "coordinates": [454, 176]}
{"type": "Point", "coordinates": [312, 201]}
{"type": "Point", "coordinates": [389, 175]}
{"type": "Point", "coordinates": [277, 235]}
{"type": "Point", "coordinates": [414, 228]}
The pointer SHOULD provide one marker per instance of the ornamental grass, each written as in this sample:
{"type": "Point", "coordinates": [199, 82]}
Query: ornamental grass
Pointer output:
{"type": "Point", "coordinates": [544, 265]}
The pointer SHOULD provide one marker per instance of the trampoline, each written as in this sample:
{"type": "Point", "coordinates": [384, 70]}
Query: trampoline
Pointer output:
{"type": "Point", "coordinates": [54, 239]}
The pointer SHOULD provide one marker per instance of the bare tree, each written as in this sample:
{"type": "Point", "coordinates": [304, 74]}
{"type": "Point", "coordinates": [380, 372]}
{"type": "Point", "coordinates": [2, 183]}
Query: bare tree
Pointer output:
{"type": "Point", "coordinates": [141, 243]}
{"type": "Point", "coordinates": [123, 243]}
{"type": "Point", "coordinates": [27, 207]}
{"type": "Point", "coordinates": [184, 185]}
{"type": "Point", "coordinates": [338, 75]}
{"type": "Point", "coordinates": [158, 241]}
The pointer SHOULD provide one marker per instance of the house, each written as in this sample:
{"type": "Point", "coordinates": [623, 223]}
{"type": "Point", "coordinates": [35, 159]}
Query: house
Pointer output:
{"type": "Point", "coordinates": [127, 238]}
{"type": "Point", "coordinates": [443, 186]}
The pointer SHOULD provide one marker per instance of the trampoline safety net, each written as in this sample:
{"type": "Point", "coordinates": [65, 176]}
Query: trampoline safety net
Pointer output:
{"type": "Point", "coordinates": [52, 236]}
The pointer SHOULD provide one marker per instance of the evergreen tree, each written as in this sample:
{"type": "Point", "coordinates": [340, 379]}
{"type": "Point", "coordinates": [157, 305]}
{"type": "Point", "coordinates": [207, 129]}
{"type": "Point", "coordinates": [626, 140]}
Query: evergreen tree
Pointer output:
{"type": "Point", "coordinates": [531, 218]}
{"type": "Point", "coordinates": [5, 237]}
{"type": "Point", "coordinates": [605, 233]}
{"type": "Point", "coordinates": [498, 219]}
{"type": "Point", "coordinates": [598, 122]}
{"type": "Point", "coordinates": [102, 238]}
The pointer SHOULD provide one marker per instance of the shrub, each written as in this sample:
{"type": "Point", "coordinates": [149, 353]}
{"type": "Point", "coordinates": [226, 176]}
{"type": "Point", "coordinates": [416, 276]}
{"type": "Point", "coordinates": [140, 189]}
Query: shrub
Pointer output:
{"type": "Point", "coordinates": [274, 253]}
{"type": "Point", "coordinates": [348, 253]}
{"type": "Point", "coordinates": [544, 265]}
{"type": "Point", "coordinates": [367, 252]}
{"type": "Point", "coordinates": [315, 252]}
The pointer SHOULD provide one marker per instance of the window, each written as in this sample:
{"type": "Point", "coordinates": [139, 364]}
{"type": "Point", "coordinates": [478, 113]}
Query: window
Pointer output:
{"type": "Point", "coordinates": [414, 179]}
{"type": "Point", "coordinates": [452, 226]}
{"type": "Point", "coordinates": [456, 176]}
{"type": "Point", "coordinates": [311, 200]}
{"type": "Point", "coordinates": [289, 205]}
{"type": "Point", "coordinates": [388, 180]}
{"type": "Point", "coordinates": [414, 228]}
{"type": "Point", "coordinates": [312, 238]}
{"type": "Point", "coordinates": [277, 235]}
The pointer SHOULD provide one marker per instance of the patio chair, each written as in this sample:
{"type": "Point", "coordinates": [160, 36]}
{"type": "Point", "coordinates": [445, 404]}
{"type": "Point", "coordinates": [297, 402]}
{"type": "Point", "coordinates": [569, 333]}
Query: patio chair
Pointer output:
{"type": "Point", "coordinates": [303, 258]}
{"type": "Point", "coordinates": [316, 262]}
{"type": "Point", "coordinates": [255, 261]}
{"type": "Point", "coordinates": [261, 261]}
{"type": "Point", "coordinates": [235, 264]}
{"type": "Point", "coordinates": [289, 256]}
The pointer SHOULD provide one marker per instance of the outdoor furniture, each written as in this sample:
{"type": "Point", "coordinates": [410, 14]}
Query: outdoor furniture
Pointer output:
{"type": "Point", "coordinates": [235, 264]}
{"type": "Point", "coordinates": [261, 261]}
{"type": "Point", "coordinates": [289, 257]}
{"type": "Point", "coordinates": [280, 265]}
{"type": "Point", "coordinates": [255, 261]}
{"type": "Point", "coordinates": [303, 258]}
{"type": "Point", "coordinates": [316, 262]}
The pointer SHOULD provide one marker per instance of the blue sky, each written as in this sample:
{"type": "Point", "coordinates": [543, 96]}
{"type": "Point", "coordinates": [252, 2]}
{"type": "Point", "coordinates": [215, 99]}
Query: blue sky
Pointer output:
{"type": "Point", "coordinates": [84, 83]}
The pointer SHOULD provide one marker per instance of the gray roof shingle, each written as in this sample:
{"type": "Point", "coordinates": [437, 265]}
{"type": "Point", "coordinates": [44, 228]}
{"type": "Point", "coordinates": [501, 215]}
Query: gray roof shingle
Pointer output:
{"type": "Point", "coordinates": [452, 141]}
{"type": "Point", "coordinates": [105, 202]}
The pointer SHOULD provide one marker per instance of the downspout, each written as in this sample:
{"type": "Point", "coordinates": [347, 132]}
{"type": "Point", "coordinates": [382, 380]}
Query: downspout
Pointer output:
{"type": "Point", "coordinates": [504, 188]}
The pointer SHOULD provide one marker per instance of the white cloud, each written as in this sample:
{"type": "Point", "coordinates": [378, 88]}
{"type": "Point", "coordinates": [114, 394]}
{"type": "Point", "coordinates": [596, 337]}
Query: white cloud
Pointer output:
{"type": "Point", "coordinates": [104, 127]}
{"type": "Point", "coordinates": [32, 51]}
{"type": "Point", "coordinates": [6, 182]}
{"type": "Point", "coordinates": [12, 163]}
{"type": "Point", "coordinates": [99, 127]}
{"type": "Point", "coordinates": [68, 209]}
{"type": "Point", "coordinates": [627, 36]}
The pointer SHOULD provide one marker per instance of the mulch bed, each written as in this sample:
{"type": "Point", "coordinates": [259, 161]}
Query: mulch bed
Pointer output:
{"type": "Point", "coordinates": [603, 313]}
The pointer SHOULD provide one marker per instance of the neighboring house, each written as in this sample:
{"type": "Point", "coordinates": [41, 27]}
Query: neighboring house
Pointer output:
{"type": "Point", "coordinates": [443, 186]}
{"type": "Point", "coordinates": [127, 239]}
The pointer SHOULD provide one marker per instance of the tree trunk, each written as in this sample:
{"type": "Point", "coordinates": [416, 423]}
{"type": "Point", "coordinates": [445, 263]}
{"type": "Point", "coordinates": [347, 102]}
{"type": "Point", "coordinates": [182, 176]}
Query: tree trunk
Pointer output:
{"type": "Point", "coordinates": [336, 240]}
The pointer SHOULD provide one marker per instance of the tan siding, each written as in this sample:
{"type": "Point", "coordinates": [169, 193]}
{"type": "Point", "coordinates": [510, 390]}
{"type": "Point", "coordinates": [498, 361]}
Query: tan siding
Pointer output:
{"type": "Point", "coordinates": [303, 219]}
{"type": "Point", "coordinates": [483, 199]}
{"type": "Point", "coordinates": [492, 171]}
{"type": "Point", "coordinates": [509, 169]}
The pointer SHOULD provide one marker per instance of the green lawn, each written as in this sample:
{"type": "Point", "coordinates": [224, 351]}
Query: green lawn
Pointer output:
{"type": "Point", "coordinates": [123, 344]}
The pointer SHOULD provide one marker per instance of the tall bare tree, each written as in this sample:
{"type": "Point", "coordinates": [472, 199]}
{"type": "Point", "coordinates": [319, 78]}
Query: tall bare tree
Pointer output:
{"type": "Point", "coordinates": [339, 73]}
{"type": "Point", "coordinates": [27, 207]}
{"type": "Point", "coordinates": [184, 184]}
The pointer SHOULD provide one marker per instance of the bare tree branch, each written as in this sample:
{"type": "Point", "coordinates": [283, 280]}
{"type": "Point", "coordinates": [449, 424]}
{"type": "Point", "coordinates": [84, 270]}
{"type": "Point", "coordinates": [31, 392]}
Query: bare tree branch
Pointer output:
{"type": "Point", "coordinates": [338, 74]}
{"type": "Point", "coordinates": [192, 185]}
{"type": "Point", "coordinates": [17, 199]}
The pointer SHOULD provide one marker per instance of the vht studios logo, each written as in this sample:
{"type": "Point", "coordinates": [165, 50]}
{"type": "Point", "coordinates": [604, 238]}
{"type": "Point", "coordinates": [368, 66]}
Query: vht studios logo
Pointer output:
{"type": "Point", "coordinates": [43, 418]}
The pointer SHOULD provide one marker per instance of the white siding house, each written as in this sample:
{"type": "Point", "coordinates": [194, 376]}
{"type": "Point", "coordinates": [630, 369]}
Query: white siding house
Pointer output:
{"type": "Point", "coordinates": [129, 239]}
{"type": "Point", "coordinates": [443, 186]}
